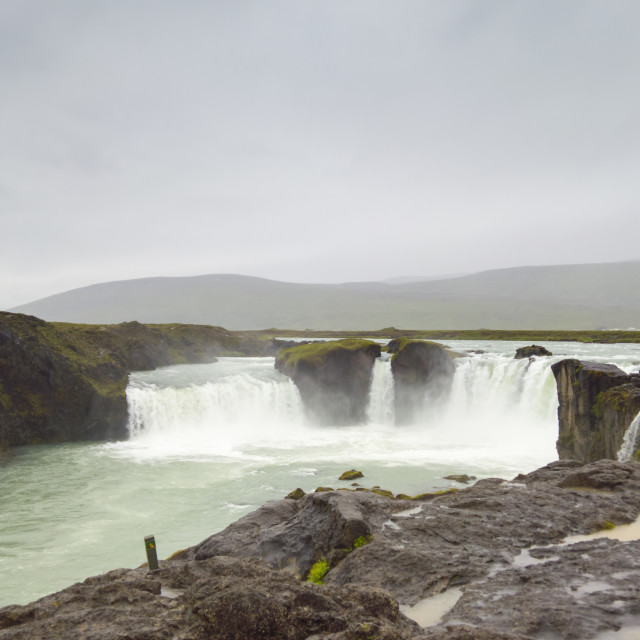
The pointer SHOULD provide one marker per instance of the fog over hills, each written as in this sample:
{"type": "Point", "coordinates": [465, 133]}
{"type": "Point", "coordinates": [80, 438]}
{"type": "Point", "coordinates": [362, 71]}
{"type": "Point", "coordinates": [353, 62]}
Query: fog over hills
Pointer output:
{"type": "Point", "coordinates": [586, 296]}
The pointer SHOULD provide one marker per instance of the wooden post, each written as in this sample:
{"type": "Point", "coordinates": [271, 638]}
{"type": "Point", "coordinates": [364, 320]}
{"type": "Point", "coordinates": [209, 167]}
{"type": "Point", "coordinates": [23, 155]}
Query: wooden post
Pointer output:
{"type": "Point", "coordinates": [152, 555]}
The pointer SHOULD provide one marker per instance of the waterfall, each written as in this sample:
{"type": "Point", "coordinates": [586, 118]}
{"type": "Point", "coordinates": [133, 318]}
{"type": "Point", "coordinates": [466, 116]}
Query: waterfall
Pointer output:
{"type": "Point", "coordinates": [628, 446]}
{"type": "Point", "coordinates": [380, 408]}
{"type": "Point", "coordinates": [498, 403]}
{"type": "Point", "coordinates": [212, 408]}
{"type": "Point", "coordinates": [239, 405]}
{"type": "Point", "coordinates": [498, 386]}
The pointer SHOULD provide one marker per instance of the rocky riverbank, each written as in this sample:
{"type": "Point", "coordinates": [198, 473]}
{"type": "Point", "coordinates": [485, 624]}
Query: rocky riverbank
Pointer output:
{"type": "Point", "coordinates": [497, 545]}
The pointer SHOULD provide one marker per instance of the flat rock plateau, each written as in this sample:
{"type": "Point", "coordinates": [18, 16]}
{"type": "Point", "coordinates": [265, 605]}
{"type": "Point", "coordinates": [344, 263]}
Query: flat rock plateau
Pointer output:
{"type": "Point", "coordinates": [500, 545]}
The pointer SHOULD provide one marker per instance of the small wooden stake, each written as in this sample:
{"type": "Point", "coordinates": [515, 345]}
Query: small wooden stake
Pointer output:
{"type": "Point", "coordinates": [152, 555]}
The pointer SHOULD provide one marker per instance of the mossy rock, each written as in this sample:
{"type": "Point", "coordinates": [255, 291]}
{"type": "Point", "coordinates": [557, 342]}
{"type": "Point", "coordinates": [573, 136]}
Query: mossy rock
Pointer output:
{"type": "Point", "coordinates": [315, 354]}
{"type": "Point", "coordinates": [333, 378]}
{"type": "Point", "coordinates": [383, 492]}
{"type": "Point", "coordinates": [296, 494]}
{"type": "Point", "coordinates": [352, 474]}
{"type": "Point", "coordinates": [323, 489]}
{"type": "Point", "coordinates": [462, 478]}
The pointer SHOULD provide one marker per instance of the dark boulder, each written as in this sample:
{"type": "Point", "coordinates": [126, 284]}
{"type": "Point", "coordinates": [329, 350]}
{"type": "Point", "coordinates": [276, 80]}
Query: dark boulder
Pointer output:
{"type": "Point", "coordinates": [334, 378]}
{"type": "Point", "coordinates": [597, 404]}
{"type": "Point", "coordinates": [531, 351]}
{"type": "Point", "coordinates": [422, 376]}
{"type": "Point", "coordinates": [295, 534]}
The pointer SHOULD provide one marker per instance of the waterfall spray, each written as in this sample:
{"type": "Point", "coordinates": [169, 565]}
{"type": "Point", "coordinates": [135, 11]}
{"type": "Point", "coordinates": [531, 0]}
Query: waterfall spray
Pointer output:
{"type": "Point", "coordinates": [629, 442]}
{"type": "Point", "coordinates": [380, 409]}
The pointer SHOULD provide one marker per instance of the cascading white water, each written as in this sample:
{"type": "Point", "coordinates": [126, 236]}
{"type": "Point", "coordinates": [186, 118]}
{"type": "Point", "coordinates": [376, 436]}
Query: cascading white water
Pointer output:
{"type": "Point", "coordinates": [630, 440]}
{"type": "Point", "coordinates": [498, 404]}
{"type": "Point", "coordinates": [495, 402]}
{"type": "Point", "coordinates": [380, 409]}
{"type": "Point", "coordinates": [185, 410]}
{"type": "Point", "coordinates": [501, 387]}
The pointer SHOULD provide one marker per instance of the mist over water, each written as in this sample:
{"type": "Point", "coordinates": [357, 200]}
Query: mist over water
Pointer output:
{"type": "Point", "coordinates": [210, 443]}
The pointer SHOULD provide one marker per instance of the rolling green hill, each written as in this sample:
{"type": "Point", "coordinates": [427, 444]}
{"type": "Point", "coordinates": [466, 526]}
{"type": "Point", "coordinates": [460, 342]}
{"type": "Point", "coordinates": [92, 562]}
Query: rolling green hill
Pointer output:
{"type": "Point", "coordinates": [591, 296]}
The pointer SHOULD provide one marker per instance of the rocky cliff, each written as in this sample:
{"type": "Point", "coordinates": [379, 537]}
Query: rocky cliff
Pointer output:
{"type": "Point", "coordinates": [498, 549]}
{"type": "Point", "coordinates": [334, 378]}
{"type": "Point", "coordinates": [597, 403]}
{"type": "Point", "coordinates": [63, 382]}
{"type": "Point", "coordinates": [422, 376]}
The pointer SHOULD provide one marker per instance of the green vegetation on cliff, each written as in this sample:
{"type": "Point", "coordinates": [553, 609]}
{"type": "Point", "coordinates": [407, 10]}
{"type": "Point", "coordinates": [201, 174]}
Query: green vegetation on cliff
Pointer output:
{"type": "Point", "coordinates": [314, 354]}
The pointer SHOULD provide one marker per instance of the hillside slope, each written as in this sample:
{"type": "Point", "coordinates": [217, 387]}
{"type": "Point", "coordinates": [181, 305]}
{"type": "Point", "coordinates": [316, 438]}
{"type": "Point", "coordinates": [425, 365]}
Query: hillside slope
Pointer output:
{"type": "Point", "coordinates": [558, 297]}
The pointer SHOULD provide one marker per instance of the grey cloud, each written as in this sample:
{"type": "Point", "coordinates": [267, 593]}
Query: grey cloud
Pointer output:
{"type": "Point", "coordinates": [313, 140]}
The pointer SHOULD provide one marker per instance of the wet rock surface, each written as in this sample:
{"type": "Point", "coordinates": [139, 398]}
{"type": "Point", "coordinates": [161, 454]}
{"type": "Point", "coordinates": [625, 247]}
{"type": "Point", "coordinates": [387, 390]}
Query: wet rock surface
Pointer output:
{"type": "Point", "coordinates": [574, 591]}
{"type": "Point", "coordinates": [224, 598]}
{"type": "Point", "coordinates": [498, 541]}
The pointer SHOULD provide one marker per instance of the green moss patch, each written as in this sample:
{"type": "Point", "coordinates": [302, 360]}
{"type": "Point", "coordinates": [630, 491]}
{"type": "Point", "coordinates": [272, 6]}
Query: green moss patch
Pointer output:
{"type": "Point", "coordinates": [314, 354]}
{"type": "Point", "coordinates": [318, 571]}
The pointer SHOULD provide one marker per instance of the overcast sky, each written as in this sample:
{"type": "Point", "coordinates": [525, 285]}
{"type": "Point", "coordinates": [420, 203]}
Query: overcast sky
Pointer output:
{"type": "Point", "coordinates": [313, 141]}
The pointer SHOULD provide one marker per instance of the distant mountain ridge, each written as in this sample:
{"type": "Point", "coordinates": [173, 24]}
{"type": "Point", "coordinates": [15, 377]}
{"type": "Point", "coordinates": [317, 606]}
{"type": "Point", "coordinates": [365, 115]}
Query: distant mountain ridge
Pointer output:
{"type": "Point", "coordinates": [589, 296]}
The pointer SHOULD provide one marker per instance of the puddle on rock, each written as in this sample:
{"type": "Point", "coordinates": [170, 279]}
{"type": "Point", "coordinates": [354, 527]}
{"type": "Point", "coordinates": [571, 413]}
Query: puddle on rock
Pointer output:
{"type": "Point", "coordinates": [623, 532]}
{"type": "Point", "coordinates": [408, 512]}
{"type": "Point", "coordinates": [630, 632]}
{"type": "Point", "coordinates": [430, 611]}
{"type": "Point", "coordinates": [166, 592]}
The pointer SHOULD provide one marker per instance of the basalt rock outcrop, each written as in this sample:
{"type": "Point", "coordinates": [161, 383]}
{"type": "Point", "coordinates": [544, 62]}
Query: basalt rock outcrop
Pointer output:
{"type": "Point", "coordinates": [334, 378]}
{"type": "Point", "coordinates": [531, 351]}
{"type": "Point", "coordinates": [498, 545]}
{"type": "Point", "coordinates": [62, 382]}
{"type": "Point", "coordinates": [597, 404]}
{"type": "Point", "coordinates": [422, 376]}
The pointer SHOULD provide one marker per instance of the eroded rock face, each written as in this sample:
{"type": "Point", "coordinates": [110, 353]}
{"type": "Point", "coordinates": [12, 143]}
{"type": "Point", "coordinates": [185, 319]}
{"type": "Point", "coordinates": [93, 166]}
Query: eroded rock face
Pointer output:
{"type": "Point", "coordinates": [334, 378]}
{"type": "Point", "coordinates": [498, 541]}
{"type": "Point", "coordinates": [422, 375]}
{"type": "Point", "coordinates": [597, 403]}
{"type": "Point", "coordinates": [48, 395]}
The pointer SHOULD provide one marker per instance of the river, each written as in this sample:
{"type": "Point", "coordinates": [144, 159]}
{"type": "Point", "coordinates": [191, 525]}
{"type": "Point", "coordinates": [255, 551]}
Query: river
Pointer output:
{"type": "Point", "coordinates": [209, 443]}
